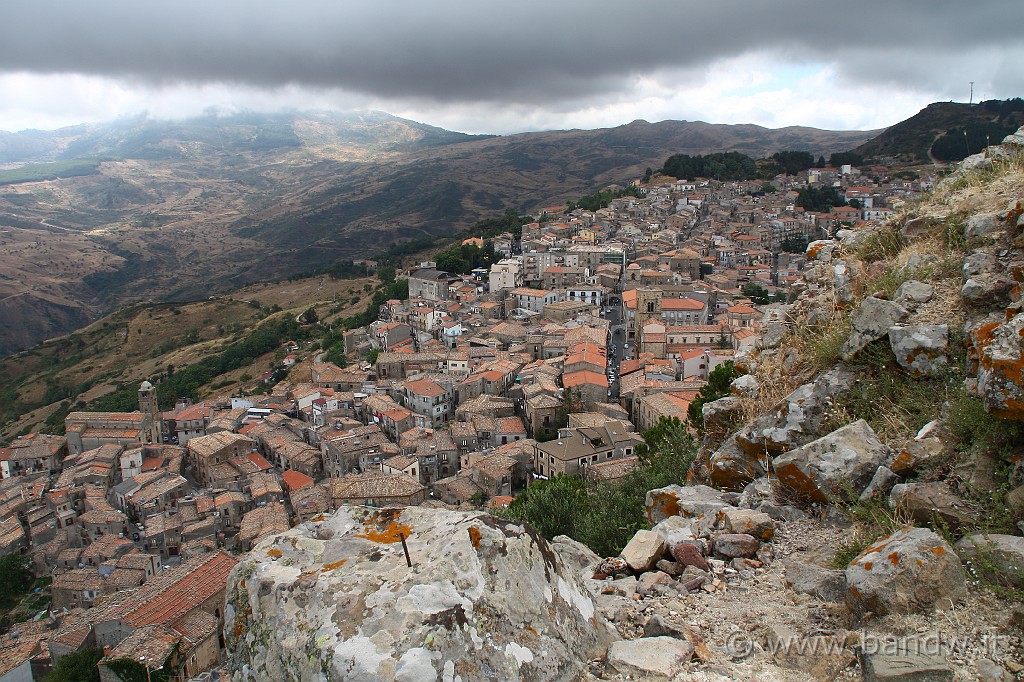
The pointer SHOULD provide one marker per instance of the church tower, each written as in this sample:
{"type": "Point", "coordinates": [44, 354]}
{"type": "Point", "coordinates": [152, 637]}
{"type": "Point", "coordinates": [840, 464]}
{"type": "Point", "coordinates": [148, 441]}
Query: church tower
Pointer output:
{"type": "Point", "coordinates": [151, 421]}
{"type": "Point", "coordinates": [648, 306]}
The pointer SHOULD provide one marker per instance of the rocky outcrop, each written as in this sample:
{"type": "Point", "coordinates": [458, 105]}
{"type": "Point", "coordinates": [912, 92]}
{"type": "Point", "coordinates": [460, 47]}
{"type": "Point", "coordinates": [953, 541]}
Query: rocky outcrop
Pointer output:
{"type": "Point", "coordinates": [798, 418]}
{"type": "Point", "coordinates": [872, 322]}
{"type": "Point", "coordinates": [911, 569]}
{"type": "Point", "coordinates": [335, 599]}
{"type": "Point", "coordinates": [920, 349]}
{"type": "Point", "coordinates": [825, 468]}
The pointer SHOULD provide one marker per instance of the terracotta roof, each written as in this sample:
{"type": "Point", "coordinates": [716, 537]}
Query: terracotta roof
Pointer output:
{"type": "Point", "coordinates": [296, 480]}
{"type": "Point", "coordinates": [584, 377]}
{"type": "Point", "coordinates": [180, 590]}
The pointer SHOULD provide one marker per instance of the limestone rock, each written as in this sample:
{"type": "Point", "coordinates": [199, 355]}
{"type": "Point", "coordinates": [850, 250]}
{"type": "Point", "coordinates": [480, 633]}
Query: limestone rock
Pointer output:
{"type": "Point", "coordinates": [722, 411]}
{"type": "Point", "coordinates": [990, 671]}
{"type": "Point", "coordinates": [334, 599]}
{"type": "Point", "coordinates": [772, 334]}
{"type": "Point", "coordinates": [675, 530]}
{"type": "Point", "coordinates": [912, 291]}
{"type": "Point", "coordinates": [826, 584]}
{"type": "Point", "coordinates": [872, 322]}
{"type": "Point", "coordinates": [1015, 139]}
{"type": "Point", "coordinates": [643, 550]}
{"type": "Point", "coordinates": [687, 501]}
{"type": "Point", "coordinates": [731, 467]}
{"type": "Point", "coordinates": [821, 250]}
{"type": "Point", "coordinates": [650, 658]}
{"type": "Point", "coordinates": [981, 225]}
{"type": "Point", "coordinates": [841, 282]}
{"type": "Point", "coordinates": [755, 523]}
{"type": "Point", "coordinates": [986, 288]}
{"type": "Point", "coordinates": [881, 484]}
{"type": "Point", "coordinates": [998, 349]}
{"type": "Point", "coordinates": [926, 502]}
{"type": "Point", "coordinates": [915, 227]}
{"type": "Point", "coordinates": [745, 385]}
{"type": "Point", "coordinates": [917, 455]}
{"type": "Point", "coordinates": [911, 570]}
{"type": "Point", "coordinates": [907, 666]}
{"type": "Point", "coordinates": [921, 348]}
{"type": "Point", "coordinates": [821, 469]}
{"type": "Point", "coordinates": [732, 545]}
{"type": "Point", "coordinates": [798, 418]}
{"type": "Point", "coordinates": [998, 558]}
{"type": "Point", "coordinates": [657, 626]}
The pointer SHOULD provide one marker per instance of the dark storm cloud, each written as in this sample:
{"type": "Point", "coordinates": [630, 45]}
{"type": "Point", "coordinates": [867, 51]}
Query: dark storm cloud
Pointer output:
{"type": "Point", "coordinates": [459, 51]}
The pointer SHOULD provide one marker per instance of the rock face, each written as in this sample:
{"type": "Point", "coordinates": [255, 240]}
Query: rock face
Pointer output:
{"type": "Point", "coordinates": [334, 599]}
{"type": "Point", "coordinates": [911, 569]}
{"type": "Point", "coordinates": [850, 455]}
{"type": "Point", "coordinates": [687, 501]}
{"type": "Point", "coordinates": [650, 658]}
{"type": "Point", "coordinates": [643, 550]}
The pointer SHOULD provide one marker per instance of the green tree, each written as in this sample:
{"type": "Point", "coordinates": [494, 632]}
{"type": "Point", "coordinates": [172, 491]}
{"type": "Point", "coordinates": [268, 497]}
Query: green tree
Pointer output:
{"type": "Point", "coordinates": [553, 507]}
{"type": "Point", "coordinates": [372, 356]}
{"type": "Point", "coordinates": [77, 667]}
{"type": "Point", "coordinates": [310, 316]}
{"type": "Point", "coordinates": [15, 577]}
{"type": "Point", "coordinates": [718, 386]}
{"type": "Point", "coordinates": [756, 293]}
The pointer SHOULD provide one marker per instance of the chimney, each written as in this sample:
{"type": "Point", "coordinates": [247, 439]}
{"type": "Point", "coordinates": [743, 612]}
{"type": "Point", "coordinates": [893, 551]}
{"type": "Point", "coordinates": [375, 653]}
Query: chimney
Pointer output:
{"type": "Point", "coordinates": [106, 650]}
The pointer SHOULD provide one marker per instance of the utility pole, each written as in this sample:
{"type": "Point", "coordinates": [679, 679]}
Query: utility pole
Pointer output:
{"type": "Point", "coordinates": [972, 92]}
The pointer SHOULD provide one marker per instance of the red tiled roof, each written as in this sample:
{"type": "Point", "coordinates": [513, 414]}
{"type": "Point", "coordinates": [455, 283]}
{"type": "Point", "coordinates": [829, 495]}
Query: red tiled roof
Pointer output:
{"type": "Point", "coordinates": [296, 480]}
{"type": "Point", "coordinates": [192, 585]}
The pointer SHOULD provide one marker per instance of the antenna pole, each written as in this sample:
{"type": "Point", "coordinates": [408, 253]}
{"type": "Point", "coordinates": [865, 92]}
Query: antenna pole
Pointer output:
{"type": "Point", "coordinates": [972, 92]}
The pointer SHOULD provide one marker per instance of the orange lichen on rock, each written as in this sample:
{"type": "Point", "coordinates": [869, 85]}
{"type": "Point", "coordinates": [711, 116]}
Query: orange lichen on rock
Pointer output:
{"type": "Point", "coordinates": [334, 564]}
{"type": "Point", "coordinates": [895, 558]}
{"type": "Point", "coordinates": [384, 527]}
{"type": "Point", "coordinates": [474, 536]}
{"type": "Point", "coordinates": [938, 550]}
{"type": "Point", "coordinates": [666, 504]}
{"type": "Point", "coordinates": [274, 552]}
{"type": "Point", "coordinates": [868, 565]}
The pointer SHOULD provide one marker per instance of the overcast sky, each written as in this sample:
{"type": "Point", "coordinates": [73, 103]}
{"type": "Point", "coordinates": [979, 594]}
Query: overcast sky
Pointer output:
{"type": "Point", "coordinates": [483, 67]}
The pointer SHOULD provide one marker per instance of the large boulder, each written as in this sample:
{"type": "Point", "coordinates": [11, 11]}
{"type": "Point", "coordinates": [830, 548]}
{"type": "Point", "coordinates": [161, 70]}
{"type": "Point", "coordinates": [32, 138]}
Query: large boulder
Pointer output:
{"type": "Point", "coordinates": [335, 599]}
{"type": "Point", "coordinates": [997, 348]}
{"type": "Point", "coordinates": [650, 658]}
{"type": "Point", "coordinates": [997, 558]}
{"type": "Point", "coordinates": [870, 323]}
{"type": "Point", "coordinates": [920, 348]}
{"type": "Point", "coordinates": [932, 502]}
{"type": "Point", "coordinates": [643, 550]}
{"type": "Point", "coordinates": [827, 584]}
{"type": "Point", "coordinates": [688, 501]}
{"type": "Point", "coordinates": [797, 420]}
{"type": "Point", "coordinates": [911, 570]}
{"type": "Point", "coordinates": [732, 467]}
{"type": "Point", "coordinates": [824, 468]}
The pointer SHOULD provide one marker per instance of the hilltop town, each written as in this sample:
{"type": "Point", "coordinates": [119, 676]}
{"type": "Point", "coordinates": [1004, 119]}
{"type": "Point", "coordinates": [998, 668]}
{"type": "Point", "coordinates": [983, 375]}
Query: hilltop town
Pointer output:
{"type": "Point", "coordinates": [583, 332]}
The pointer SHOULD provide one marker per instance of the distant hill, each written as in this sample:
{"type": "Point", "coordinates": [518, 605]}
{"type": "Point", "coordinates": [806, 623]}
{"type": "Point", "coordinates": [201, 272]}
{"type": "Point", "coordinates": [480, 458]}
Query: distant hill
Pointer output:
{"type": "Point", "coordinates": [945, 132]}
{"type": "Point", "coordinates": [99, 215]}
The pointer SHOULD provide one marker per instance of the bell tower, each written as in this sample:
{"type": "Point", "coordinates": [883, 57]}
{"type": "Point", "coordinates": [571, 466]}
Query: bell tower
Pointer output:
{"type": "Point", "coordinates": [648, 306]}
{"type": "Point", "coordinates": [151, 419]}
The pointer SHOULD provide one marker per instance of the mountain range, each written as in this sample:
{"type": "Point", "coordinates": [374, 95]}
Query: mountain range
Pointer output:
{"type": "Point", "coordinates": [99, 215]}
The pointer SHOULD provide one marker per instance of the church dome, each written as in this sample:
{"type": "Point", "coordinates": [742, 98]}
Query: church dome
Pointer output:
{"type": "Point", "coordinates": [146, 386]}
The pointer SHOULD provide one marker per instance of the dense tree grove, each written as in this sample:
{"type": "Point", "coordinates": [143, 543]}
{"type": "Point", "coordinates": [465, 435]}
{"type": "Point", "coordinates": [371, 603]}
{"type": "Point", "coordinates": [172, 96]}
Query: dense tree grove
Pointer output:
{"type": "Point", "coordinates": [821, 199]}
{"type": "Point", "coordinates": [464, 258]}
{"type": "Point", "coordinates": [840, 158]}
{"type": "Point", "coordinates": [727, 166]}
{"type": "Point", "coordinates": [601, 199]}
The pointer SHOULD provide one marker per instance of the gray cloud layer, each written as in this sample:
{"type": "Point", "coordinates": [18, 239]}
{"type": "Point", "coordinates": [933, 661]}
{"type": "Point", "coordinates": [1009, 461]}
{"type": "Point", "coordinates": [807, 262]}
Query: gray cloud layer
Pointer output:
{"type": "Point", "coordinates": [527, 51]}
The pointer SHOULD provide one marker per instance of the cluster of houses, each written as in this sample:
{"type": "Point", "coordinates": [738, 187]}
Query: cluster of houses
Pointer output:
{"type": "Point", "coordinates": [589, 330]}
